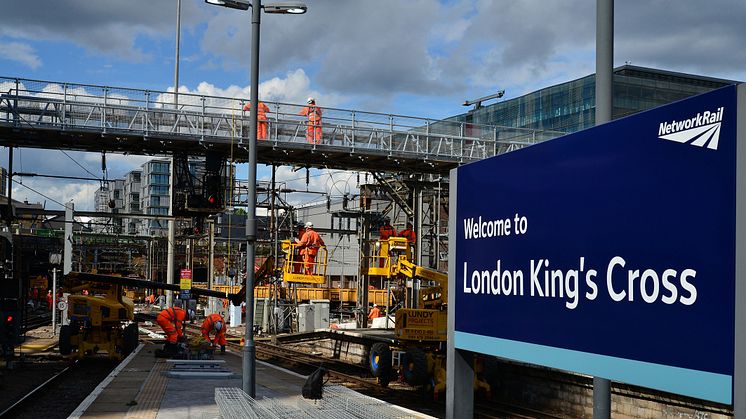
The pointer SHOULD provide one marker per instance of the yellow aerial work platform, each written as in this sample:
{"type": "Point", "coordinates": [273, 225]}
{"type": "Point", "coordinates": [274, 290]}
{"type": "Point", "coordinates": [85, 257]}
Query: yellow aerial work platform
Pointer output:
{"type": "Point", "coordinates": [296, 270]}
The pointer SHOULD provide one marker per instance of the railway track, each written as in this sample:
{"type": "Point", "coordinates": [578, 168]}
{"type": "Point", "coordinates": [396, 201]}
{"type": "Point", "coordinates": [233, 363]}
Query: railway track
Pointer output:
{"type": "Point", "coordinates": [37, 320]}
{"type": "Point", "coordinates": [59, 395]}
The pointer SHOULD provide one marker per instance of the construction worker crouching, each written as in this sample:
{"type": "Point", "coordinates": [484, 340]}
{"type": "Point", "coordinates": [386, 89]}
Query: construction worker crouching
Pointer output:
{"type": "Point", "coordinates": [172, 321]}
{"type": "Point", "coordinates": [309, 245]}
{"type": "Point", "coordinates": [215, 323]}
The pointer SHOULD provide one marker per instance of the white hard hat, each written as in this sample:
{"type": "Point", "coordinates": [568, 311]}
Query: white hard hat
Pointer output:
{"type": "Point", "coordinates": [311, 100]}
{"type": "Point", "coordinates": [375, 305]}
{"type": "Point", "coordinates": [309, 224]}
{"type": "Point", "coordinates": [218, 325]}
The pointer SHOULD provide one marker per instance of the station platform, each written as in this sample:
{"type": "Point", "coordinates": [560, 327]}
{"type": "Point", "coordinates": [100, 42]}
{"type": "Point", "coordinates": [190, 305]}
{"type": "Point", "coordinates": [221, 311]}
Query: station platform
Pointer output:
{"type": "Point", "coordinates": [142, 386]}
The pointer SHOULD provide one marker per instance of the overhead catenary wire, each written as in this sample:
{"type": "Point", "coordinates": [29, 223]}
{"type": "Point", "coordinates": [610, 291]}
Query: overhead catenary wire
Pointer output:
{"type": "Point", "coordinates": [79, 165]}
{"type": "Point", "coordinates": [39, 193]}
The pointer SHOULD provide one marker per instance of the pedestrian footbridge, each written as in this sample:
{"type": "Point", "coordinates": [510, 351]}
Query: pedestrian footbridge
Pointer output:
{"type": "Point", "coordinates": [59, 115]}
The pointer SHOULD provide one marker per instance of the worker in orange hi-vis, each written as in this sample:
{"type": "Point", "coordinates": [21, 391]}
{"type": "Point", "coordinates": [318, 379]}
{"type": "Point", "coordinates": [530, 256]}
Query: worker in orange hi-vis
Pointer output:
{"type": "Point", "coordinates": [214, 323]}
{"type": "Point", "coordinates": [385, 231]}
{"type": "Point", "coordinates": [375, 312]}
{"type": "Point", "coordinates": [261, 120]}
{"type": "Point", "coordinates": [409, 234]}
{"type": "Point", "coordinates": [313, 129]}
{"type": "Point", "coordinates": [172, 321]}
{"type": "Point", "coordinates": [309, 246]}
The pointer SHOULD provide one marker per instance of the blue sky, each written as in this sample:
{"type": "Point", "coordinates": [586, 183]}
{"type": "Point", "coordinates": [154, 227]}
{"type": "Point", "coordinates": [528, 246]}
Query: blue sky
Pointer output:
{"type": "Point", "coordinates": [415, 57]}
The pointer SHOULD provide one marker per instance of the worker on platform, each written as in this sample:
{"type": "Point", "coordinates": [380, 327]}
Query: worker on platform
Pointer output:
{"type": "Point", "coordinates": [172, 321]}
{"type": "Point", "coordinates": [49, 300]}
{"type": "Point", "coordinates": [313, 127]}
{"type": "Point", "coordinates": [386, 230]}
{"type": "Point", "coordinates": [215, 323]}
{"type": "Point", "coordinates": [409, 234]}
{"type": "Point", "coordinates": [309, 246]}
{"type": "Point", "coordinates": [375, 312]}
{"type": "Point", "coordinates": [261, 120]}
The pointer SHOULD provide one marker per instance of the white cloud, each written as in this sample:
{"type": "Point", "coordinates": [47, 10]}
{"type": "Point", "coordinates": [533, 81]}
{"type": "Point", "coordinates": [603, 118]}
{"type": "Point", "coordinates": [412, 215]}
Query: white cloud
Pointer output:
{"type": "Point", "coordinates": [22, 53]}
{"type": "Point", "coordinates": [294, 88]}
{"type": "Point", "coordinates": [55, 194]}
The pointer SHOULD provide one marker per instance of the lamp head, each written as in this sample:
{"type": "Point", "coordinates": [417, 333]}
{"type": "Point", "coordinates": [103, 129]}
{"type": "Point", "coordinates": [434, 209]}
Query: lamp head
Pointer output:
{"type": "Point", "coordinates": [231, 4]}
{"type": "Point", "coordinates": [291, 8]}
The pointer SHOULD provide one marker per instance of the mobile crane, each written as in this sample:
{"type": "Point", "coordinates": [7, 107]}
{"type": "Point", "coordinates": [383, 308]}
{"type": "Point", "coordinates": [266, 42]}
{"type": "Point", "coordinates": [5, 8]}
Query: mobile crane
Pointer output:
{"type": "Point", "coordinates": [421, 332]}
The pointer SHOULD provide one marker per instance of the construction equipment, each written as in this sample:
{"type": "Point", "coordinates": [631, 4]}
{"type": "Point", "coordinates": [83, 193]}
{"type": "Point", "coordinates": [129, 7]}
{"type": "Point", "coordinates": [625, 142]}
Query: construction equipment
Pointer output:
{"type": "Point", "coordinates": [265, 271]}
{"type": "Point", "coordinates": [420, 332]}
{"type": "Point", "coordinates": [104, 318]}
{"type": "Point", "coordinates": [295, 270]}
{"type": "Point", "coordinates": [100, 318]}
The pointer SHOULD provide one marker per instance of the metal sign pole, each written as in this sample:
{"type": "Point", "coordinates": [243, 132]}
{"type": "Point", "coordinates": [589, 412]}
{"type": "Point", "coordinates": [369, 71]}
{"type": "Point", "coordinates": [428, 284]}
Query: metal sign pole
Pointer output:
{"type": "Point", "coordinates": [54, 301]}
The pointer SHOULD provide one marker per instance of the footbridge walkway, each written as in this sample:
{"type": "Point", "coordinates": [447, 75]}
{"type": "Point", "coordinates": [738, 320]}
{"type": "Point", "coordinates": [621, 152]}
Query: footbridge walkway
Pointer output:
{"type": "Point", "coordinates": [58, 115]}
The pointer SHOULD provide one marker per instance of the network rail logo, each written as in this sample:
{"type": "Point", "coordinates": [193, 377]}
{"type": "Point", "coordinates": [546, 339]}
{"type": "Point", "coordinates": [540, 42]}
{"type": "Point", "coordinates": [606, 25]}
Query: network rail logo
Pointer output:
{"type": "Point", "coordinates": [701, 130]}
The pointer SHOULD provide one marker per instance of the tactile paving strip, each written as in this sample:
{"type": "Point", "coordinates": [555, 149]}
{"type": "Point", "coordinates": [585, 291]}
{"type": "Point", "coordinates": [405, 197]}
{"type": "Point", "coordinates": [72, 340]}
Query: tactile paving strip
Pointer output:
{"type": "Point", "coordinates": [150, 395]}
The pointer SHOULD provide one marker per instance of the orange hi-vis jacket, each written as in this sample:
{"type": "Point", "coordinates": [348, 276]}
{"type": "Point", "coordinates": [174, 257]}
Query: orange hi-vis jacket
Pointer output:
{"type": "Point", "coordinates": [261, 120]}
{"type": "Point", "coordinates": [409, 235]}
{"type": "Point", "coordinates": [314, 114]}
{"type": "Point", "coordinates": [313, 129]}
{"type": "Point", "coordinates": [209, 326]}
{"type": "Point", "coordinates": [171, 321]}
{"type": "Point", "coordinates": [386, 231]}
{"type": "Point", "coordinates": [375, 313]}
{"type": "Point", "coordinates": [310, 242]}
{"type": "Point", "coordinates": [261, 115]}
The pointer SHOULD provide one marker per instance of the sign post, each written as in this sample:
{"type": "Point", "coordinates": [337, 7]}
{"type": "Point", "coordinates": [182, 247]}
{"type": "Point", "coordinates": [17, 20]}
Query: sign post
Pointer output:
{"type": "Point", "coordinates": [185, 284]}
{"type": "Point", "coordinates": [609, 252]}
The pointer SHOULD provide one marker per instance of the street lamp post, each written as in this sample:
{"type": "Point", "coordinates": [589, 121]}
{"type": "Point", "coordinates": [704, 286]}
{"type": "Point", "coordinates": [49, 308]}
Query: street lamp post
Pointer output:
{"type": "Point", "coordinates": [54, 259]}
{"type": "Point", "coordinates": [249, 349]}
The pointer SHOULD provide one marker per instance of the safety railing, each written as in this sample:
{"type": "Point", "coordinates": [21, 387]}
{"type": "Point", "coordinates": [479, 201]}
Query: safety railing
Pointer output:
{"type": "Point", "coordinates": [148, 113]}
{"type": "Point", "coordinates": [309, 269]}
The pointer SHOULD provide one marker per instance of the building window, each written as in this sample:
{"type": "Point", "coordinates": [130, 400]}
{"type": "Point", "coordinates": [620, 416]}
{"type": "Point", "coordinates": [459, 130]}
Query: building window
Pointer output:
{"type": "Point", "coordinates": [159, 167]}
{"type": "Point", "coordinates": [158, 190]}
{"type": "Point", "coordinates": [159, 179]}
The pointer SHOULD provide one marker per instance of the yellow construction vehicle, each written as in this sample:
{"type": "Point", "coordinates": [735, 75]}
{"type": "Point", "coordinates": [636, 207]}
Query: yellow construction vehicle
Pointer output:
{"type": "Point", "coordinates": [420, 332]}
{"type": "Point", "coordinates": [100, 317]}
{"type": "Point", "coordinates": [295, 270]}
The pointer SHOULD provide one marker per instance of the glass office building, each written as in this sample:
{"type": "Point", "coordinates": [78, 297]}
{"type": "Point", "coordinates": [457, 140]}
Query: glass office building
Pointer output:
{"type": "Point", "coordinates": [570, 106]}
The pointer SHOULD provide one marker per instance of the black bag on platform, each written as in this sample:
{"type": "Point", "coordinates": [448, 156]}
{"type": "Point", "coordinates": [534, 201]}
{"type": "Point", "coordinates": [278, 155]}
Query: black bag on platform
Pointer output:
{"type": "Point", "coordinates": [314, 385]}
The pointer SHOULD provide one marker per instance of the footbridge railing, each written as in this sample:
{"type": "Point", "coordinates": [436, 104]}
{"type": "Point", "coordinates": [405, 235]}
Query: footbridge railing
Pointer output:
{"type": "Point", "coordinates": [43, 105]}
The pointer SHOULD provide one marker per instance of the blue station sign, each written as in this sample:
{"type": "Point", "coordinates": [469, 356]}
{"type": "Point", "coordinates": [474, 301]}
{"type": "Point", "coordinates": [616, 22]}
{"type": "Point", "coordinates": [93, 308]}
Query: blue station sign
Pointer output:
{"type": "Point", "coordinates": [608, 252]}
